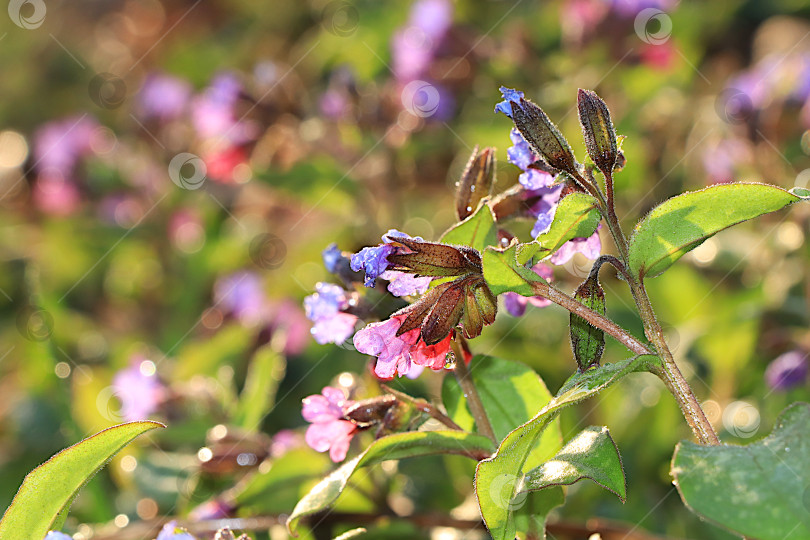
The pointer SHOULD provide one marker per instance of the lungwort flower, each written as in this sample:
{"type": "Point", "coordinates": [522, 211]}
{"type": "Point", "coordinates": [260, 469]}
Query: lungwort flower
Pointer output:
{"type": "Point", "coordinates": [420, 334]}
{"type": "Point", "coordinates": [329, 429]}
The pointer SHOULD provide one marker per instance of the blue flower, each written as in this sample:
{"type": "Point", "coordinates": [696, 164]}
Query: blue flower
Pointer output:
{"type": "Point", "coordinates": [56, 535]}
{"type": "Point", "coordinates": [325, 309]}
{"type": "Point", "coordinates": [331, 256]}
{"type": "Point", "coordinates": [521, 153]}
{"type": "Point", "coordinates": [508, 95]}
{"type": "Point", "coordinates": [374, 259]}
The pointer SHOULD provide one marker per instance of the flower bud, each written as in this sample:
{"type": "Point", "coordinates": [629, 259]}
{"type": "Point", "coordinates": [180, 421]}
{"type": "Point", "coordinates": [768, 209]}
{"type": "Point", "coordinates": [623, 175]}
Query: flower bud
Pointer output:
{"type": "Point", "coordinates": [438, 260]}
{"type": "Point", "coordinates": [587, 341]}
{"type": "Point", "coordinates": [476, 181]}
{"type": "Point", "coordinates": [368, 412]}
{"type": "Point", "coordinates": [597, 128]}
{"type": "Point", "coordinates": [543, 136]}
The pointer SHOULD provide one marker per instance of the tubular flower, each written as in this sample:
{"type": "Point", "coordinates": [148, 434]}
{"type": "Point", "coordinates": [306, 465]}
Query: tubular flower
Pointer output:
{"type": "Point", "coordinates": [374, 261]}
{"type": "Point", "coordinates": [329, 430]}
{"type": "Point", "coordinates": [325, 308]}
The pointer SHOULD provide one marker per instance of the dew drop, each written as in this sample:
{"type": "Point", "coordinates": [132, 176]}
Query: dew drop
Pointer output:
{"type": "Point", "coordinates": [469, 209]}
{"type": "Point", "coordinates": [450, 360]}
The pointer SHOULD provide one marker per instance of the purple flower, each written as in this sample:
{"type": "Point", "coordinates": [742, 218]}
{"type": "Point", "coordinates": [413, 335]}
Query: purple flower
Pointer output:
{"type": "Point", "coordinates": [405, 284]}
{"type": "Point", "coordinates": [414, 46]}
{"type": "Point", "coordinates": [544, 208]}
{"type": "Point", "coordinates": [331, 256]}
{"type": "Point", "coordinates": [59, 145]}
{"type": "Point", "coordinates": [325, 309]}
{"type": "Point", "coordinates": [520, 153]}
{"type": "Point", "coordinates": [242, 294]}
{"type": "Point", "coordinates": [433, 17]}
{"type": "Point", "coordinates": [138, 389]}
{"type": "Point", "coordinates": [374, 259]}
{"type": "Point", "coordinates": [328, 429]}
{"type": "Point", "coordinates": [508, 95]}
{"type": "Point", "coordinates": [56, 535]}
{"type": "Point", "coordinates": [515, 304]}
{"type": "Point", "coordinates": [162, 96]}
{"type": "Point", "coordinates": [787, 371]}
{"type": "Point", "coordinates": [171, 531]}
{"type": "Point", "coordinates": [591, 247]}
{"type": "Point", "coordinates": [533, 179]}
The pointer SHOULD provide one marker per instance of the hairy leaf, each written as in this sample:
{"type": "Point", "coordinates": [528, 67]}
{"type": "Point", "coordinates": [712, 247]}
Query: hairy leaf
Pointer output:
{"type": "Point", "coordinates": [577, 216]}
{"type": "Point", "coordinates": [477, 231]}
{"type": "Point", "coordinates": [759, 490]}
{"type": "Point", "coordinates": [47, 491]}
{"type": "Point", "coordinates": [590, 454]}
{"type": "Point", "coordinates": [503, 273]}
{"type": "Point", "coordinates": [505, 470]}
{"type": "Point", "coordinates": [682, 223]}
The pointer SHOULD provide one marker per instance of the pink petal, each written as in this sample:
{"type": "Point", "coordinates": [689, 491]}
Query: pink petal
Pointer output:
{"type": "Point", "coordinates": [317, 408]}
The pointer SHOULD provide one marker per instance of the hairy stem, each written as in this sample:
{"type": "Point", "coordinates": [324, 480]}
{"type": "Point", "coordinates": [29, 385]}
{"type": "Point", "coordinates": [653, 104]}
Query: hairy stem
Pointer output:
{"type": "Point", "coordinates": [669, 373]}
{"type": "Point", "coordinates": [471, 394]}
{"type": "Point", "coordinates": [667, 370]}
{"type": "Point", "coordinates": [595, 319]}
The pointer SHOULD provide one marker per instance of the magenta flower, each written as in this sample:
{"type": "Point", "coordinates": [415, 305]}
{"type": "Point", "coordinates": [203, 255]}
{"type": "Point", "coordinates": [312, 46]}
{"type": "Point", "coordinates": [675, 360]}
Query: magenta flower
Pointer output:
{"type": "Point", "coordinates": [284, 441]}
{"type": "Point", "coordinates": [515, 304]}
{"type": "Point", "coordinates": [414, 46]}
{"type": "Point", "coordinates": [325, 308]}
{"type": "Point", "coordinates": [139, 390]}
{"type": "Point", "coordinates": [287, 317]}
{"type": "Point", "coordinates": [214, 113]}
{"type": "Point", "coordinates": [328, 429]}
{"type": "Point", "coordinates": [397, 355]}
{"type": "Point", "coordinates": [213, 509]}
{"type": "Point", "coordinates": [55, 194]}
{"type": "Point", "coordinates": [787, 371]}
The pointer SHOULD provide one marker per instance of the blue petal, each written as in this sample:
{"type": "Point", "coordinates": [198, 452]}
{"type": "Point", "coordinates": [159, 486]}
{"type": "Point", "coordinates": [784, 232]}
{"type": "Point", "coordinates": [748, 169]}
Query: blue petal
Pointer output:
{"type": "Point", "coordinates": [509, 95]}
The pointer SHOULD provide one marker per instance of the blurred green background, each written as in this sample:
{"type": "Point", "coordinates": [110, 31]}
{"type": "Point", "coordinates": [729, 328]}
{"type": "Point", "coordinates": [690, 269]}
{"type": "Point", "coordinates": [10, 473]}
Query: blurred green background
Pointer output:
{"type": "Point", "coordinates": [299, 114]}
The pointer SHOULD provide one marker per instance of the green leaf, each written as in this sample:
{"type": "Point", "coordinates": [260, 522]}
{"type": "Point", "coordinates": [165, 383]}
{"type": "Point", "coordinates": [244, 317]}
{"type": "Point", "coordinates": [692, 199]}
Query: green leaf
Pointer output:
{"type": "Point", "coordinates": [397, 446]}
{"type": "Point", "coordinates": [590, 454]}
{"type": "Point", "coordinates": [682, 223]}
{"type": "Point", "coordinates": [759, 490]}
{"type": "Point", "coordinates": [261, 382]}
{"type": "Point", "coordinates": [47, 491]}
{"type": "Point", "coordinates": [511, 393]}
{"type": "Point", "coordinates": [577, 216]}
{"type": "Point", "coordinates": [530, 514]}
{"type": "Point", "coordinates": [505, 470]}
{"type": "Point", "coordinates": [477, 231]}
{"type": "Point", "coordinates": [503, 273]}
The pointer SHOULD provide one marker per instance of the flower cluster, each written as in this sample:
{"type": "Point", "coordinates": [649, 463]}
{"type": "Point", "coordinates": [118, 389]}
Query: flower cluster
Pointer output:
{"type": "Point", "coordinates": [373, 260]}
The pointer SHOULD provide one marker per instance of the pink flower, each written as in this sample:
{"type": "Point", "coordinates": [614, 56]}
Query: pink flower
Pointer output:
{"type": "Point", "coordinates": [405, 284]}
{"type": "Point", "coordinates": [591, 247]}
{"type": "Point", "coordinates": [515, 304]}
{"type": "Point", "coordinates": [398, 354]}
{"type": "Point", "coordinates": [329, 430]}
{"type": "Point", "coordinates": [139, 390]}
